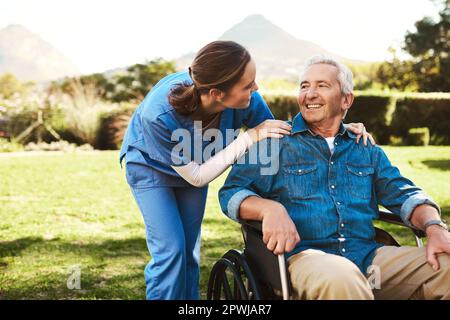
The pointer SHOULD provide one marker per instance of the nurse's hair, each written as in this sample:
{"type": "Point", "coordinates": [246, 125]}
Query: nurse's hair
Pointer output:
{"type": "Point", "coordinates": [219, 65]}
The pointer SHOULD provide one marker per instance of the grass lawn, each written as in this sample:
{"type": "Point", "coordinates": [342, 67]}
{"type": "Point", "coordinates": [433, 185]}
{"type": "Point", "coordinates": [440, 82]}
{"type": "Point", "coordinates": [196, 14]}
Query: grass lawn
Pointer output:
{"type": "Point", "coordinates": [60, 210]}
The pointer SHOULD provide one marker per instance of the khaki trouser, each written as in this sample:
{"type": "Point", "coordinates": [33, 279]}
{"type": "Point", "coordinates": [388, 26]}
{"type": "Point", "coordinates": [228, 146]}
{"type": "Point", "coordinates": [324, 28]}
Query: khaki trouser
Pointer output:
{"type": "Point", "coordinates": [398, 273]}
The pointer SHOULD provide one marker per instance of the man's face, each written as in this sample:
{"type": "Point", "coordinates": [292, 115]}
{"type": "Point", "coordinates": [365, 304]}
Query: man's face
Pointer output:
{"type": "Point", "coordinates": [321, 101]}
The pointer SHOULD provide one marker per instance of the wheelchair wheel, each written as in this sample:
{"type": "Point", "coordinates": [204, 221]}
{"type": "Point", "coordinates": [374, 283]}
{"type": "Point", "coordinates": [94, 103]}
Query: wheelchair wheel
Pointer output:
{"type": "Point", "coordinates": [232, 279]}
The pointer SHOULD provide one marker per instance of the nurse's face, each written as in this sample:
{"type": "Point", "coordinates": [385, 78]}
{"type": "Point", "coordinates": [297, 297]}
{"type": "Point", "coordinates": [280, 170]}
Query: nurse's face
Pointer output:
{"type": "Point", "coordinates": [238, 97]}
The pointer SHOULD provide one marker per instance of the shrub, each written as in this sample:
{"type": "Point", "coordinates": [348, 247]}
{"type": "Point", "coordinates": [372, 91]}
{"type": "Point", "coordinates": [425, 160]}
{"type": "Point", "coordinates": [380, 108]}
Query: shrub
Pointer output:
{"type": "Point", "coordinates": [376, 112]}
{"type": "Point", "coordinates": [7, 146]}
{"type": "Point", "coordinates": [283, 107]}
{"type": "Point", "coordinates": [388, 116]}
{"type": "Point", "coordinates": [113, 126]}
{"type": "Point", "coordinates": [396, 141]}
{"type": "Point", "coordinates": [419, 136]}
{"type": "Point", "coordinates": [83, 110]}
{"type": "Point", "coordinates": [431, 111]}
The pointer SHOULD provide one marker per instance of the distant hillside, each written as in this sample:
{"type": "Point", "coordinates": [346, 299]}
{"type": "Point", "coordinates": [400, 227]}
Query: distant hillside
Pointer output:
{"type": "Point", "coordinates": [29, 57]}
{"type": "Point", "coordinates": [277, 53]}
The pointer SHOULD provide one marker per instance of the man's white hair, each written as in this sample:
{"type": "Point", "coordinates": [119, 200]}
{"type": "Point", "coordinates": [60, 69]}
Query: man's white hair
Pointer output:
{"type": "Point", "coordinates": [345, 76]}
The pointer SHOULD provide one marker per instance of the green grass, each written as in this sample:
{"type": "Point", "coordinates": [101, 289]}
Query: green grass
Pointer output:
{"type": "Point", "coordinates": [60, 210]}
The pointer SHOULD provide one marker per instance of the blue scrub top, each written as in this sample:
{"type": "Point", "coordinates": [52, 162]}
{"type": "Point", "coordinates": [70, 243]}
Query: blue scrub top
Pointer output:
{"type": "Point", "coordinates": [148, 142]}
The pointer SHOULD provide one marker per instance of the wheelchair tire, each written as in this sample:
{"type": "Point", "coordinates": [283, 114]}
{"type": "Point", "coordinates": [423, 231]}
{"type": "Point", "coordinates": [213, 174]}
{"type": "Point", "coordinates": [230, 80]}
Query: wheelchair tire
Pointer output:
{"type": "Point", "coordinates": [232, 266]}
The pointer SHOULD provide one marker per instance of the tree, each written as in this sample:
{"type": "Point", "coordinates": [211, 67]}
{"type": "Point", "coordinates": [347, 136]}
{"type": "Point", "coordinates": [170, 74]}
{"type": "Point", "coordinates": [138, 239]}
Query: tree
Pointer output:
{"type": "Point", "coordinates": [10, 85]}
{"type": "Point", "coordinates": [140, 78]}
{"type": "Point", "coordinates": [105, 88]}
{"type": "Point", "coordinates": [397, 74]}
{"type": "Point", "coordinates": [429, 66]}
{"type": "Point", "coordinates": [130, 84]}
{"type": "Point", "coordinates": [429, 47]}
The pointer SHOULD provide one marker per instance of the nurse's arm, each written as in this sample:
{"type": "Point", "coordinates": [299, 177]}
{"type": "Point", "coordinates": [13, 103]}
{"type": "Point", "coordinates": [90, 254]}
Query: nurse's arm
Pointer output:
{"type": "Point", "coordinates": [200, 175]}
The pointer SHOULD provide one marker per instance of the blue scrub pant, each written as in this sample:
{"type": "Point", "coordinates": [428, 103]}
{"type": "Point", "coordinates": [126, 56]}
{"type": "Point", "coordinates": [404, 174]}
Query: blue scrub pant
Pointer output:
{"type": "Point", "coordinates": [172, 217]}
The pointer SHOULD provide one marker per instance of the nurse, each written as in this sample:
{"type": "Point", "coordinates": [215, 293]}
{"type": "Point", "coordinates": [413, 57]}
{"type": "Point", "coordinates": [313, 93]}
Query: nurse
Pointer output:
{"type": "Point", "coordinates": [169, 176]}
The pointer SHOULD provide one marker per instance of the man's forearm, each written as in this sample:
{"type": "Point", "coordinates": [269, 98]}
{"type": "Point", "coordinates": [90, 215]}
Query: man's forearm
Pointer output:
{"type": "Point", "coordinates": [252, 208]}
{"type": "Point", "coordinates": [422, 214]}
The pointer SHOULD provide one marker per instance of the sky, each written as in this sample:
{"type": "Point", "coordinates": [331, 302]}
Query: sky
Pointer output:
{"type": "Point", "coordinates": [99, 35]}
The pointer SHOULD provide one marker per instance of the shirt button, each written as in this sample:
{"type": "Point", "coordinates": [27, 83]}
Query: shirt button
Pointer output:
{"type": "Point", "coordinates": [343, 249]}
{"type": "Point", "coordinates": [338, 203]}
{"type": "Point", "coordinates": [342, 225]}
{"type": "Point", "coordinates": [360, 173]}
{"type": "Point", "coordinates": [332, 186]}
{"type": "Point", "coordinates": [332, 162]}
{"type": "Point", "coordinates": [300, 171]}
{"type": "Point", "coordinates": [335, 143]}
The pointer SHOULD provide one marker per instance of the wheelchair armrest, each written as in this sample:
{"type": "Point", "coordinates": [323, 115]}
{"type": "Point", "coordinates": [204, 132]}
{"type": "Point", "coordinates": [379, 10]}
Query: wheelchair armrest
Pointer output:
{"type": "Point", "coordinates": [252, 224]}
{"type": "Point", "coordinates": [384, 216]}
{"type": "Point", "coordinates": [389, 217]}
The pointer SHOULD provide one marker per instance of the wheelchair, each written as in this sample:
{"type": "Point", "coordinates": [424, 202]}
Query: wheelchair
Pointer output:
{"type": "Point", "coordinates": [256, 273]}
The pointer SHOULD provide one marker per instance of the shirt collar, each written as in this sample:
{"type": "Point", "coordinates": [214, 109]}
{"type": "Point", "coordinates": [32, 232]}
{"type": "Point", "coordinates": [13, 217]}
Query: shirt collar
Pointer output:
{"type": "Point", "coordinates": [299, 125]}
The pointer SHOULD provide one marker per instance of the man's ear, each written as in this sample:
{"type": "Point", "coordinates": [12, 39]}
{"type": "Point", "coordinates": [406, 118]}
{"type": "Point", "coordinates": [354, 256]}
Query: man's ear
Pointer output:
{"type": "Point", "coordinates": [347, 101]}
{"type": "Point", "coordinates": [217, 94]}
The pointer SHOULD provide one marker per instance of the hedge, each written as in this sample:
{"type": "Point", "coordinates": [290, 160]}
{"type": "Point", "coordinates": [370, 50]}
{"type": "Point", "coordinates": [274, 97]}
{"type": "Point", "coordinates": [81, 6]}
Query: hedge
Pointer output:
{"type": "Point", "coordinates": [112, 128]}
{"type": "Point", "coordinates": [385, 115]}
{"type": "Point", "coordinates": [420, 112]}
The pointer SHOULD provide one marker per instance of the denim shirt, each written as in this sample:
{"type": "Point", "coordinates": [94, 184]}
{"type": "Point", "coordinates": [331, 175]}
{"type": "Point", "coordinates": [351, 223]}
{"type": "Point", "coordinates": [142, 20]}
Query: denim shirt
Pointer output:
{"type": "Point", "coordinates": [331, 198]}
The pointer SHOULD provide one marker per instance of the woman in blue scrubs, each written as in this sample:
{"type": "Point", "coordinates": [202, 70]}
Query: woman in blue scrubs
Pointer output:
{"type": "Point", "coordinates": [170, 184]}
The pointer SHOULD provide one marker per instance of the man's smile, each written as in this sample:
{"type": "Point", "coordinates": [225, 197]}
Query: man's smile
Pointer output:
{"type": "Point", "coordinates": [314, 106]}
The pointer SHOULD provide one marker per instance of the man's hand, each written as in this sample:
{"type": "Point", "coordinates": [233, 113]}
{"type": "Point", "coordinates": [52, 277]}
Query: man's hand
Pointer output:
{"type": "Point", "coordinates": [279, 231]}
{"type": "Point", "coordinates": [438, 242]}
{"type": "Point", "coordinates": [438, 237]}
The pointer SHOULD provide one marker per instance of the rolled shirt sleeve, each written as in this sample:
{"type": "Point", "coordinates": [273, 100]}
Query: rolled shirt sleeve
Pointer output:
{"type": "Point", "coordinates": [248, 177]}
{"type": "Point", "coordinates": [395, 192]}
{"type": "Point", "coordinates": [412, 202]}
{"type": "Point", "coordinates": [232, 210]}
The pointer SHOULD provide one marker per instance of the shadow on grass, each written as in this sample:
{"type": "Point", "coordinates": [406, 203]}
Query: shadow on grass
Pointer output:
{"type": "Point", "coordinates": [103, 249]}
{"type": "Point", "coordinates": [104, 273]}
{"type": "Point", "coordinates": [92, 286]}
{"type": "Point", "coordinates": [15, 247]}
{"type": "Point", "coordinates": [98, 257]}
{"type": "Point", "coordinates": [443, 165]}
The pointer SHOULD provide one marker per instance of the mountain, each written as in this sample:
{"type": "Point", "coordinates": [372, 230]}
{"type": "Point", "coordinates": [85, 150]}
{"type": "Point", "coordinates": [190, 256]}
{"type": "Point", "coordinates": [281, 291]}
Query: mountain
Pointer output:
{"type": "Point", "coordinates": [29, 57]}
{"type": "Point", "coordinates": [277, 53]}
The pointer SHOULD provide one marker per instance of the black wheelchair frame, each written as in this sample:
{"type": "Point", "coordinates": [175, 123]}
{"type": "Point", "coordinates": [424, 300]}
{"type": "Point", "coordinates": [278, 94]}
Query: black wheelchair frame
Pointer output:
{"type": "Point", "coordinates": [259, 274]}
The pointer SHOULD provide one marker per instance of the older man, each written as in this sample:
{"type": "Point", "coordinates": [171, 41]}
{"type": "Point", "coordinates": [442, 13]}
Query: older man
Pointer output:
{"type": "Point", "coordinates": [320, 205]}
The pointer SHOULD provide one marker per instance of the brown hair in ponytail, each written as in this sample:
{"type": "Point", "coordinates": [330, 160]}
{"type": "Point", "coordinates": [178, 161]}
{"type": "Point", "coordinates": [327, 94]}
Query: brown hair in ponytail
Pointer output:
{"type": "Point", "coordinates": [220, 65]}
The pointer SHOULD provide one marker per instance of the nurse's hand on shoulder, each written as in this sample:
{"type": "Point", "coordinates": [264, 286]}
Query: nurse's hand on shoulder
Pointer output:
{"type": "Point", "coordinates": [269, 129]}
{"type": "Point", "coordinates": [360, 130]}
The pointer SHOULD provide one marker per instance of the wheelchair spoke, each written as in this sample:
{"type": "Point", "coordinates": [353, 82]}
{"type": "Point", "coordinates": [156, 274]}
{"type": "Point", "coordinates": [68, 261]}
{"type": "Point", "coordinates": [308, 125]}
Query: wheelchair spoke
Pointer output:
{"type": "Point", "coordinates": [226, 287]}
{"type": "Point", "coordinates": [231, 278]}
{"type": "Point", "coordinates": [252, 291]}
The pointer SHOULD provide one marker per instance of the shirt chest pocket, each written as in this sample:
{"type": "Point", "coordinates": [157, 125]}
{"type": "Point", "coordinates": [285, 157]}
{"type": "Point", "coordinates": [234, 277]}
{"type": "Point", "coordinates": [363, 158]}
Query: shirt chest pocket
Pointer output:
{"type": "Point", "coordinates": [360, 180]}
{"type": "Point", "coordinates": [301, 180]}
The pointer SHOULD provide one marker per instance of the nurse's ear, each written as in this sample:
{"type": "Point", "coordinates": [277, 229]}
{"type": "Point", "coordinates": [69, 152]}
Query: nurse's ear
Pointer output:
{"type": "Point", "coordinates": [217, 94]}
